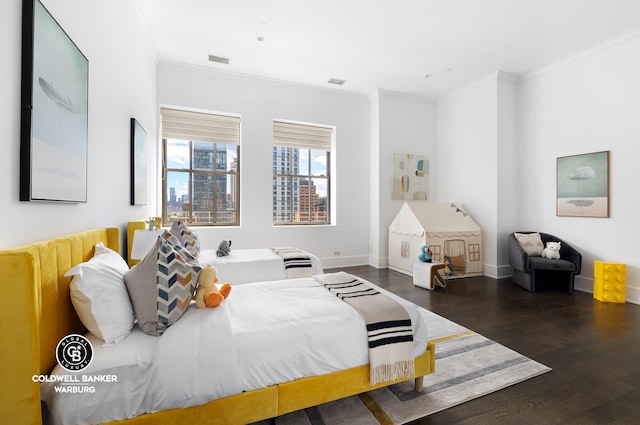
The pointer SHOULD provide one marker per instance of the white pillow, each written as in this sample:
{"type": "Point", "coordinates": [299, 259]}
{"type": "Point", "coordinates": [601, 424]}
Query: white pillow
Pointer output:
{"type": "Point", "coordinates": [531, 243]}
{"type": "Point", "coordinates": [100, 297]}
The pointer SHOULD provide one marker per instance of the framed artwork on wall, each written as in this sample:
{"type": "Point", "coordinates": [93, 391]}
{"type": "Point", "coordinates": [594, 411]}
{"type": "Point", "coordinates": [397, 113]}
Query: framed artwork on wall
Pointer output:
{"type": "Point", "coordinates": [583, 185]}
{"type": "Point", "coordinates": [54, 111]}
{"type": "Point", "coordinates": [410, 174]}
{"type": "Point", "coordinates": [138, 164]}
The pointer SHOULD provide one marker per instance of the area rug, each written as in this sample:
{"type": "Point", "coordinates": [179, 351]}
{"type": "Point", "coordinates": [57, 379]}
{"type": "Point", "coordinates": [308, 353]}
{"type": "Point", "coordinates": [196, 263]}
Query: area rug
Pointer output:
{"type": "Point", "coordinates": [468, 366]}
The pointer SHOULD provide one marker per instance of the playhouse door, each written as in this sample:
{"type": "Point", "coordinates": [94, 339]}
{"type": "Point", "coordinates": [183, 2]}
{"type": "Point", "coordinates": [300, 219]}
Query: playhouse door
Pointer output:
{"type": "Point", "coordinates": [454, 251]}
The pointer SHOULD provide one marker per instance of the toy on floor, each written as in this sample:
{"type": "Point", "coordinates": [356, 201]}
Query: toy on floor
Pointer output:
{"type": "Point", "coordinates": [426, 255]}
{"type": "Point", "coordinates": [448, 270]}
{"type": "Point", "coordinates": [551, 251]}
{"type": "Point", "coordinates": [224, 249]}
{"type": "Point", "coordinates": [208, 294]}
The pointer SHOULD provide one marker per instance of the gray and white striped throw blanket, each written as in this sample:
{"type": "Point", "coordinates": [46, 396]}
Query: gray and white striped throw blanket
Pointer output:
{"type": "Point", "coordinates": [296, 262]}
{"type": "Point", "coordinates": [389, 328]}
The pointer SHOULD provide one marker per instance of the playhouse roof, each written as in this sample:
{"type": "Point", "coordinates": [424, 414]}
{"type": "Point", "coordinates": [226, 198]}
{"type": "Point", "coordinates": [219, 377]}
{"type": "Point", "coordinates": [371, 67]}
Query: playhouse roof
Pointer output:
{"type": "Point", "coordinates": [435, 219]}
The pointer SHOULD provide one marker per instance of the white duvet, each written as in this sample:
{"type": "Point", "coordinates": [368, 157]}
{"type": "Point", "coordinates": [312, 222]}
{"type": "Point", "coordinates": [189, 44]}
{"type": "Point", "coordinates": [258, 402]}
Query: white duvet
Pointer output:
{"type": "Point", "coordinates": [265, 333]}
{"type": "Point", "coordinates": [251, 265]}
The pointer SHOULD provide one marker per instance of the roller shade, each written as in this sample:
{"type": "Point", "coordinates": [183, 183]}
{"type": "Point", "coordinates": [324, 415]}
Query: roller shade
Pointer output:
{"type": "Point", "coordinates": [302, 136]}
{"type": "Point", "coordinates": [187, 125]}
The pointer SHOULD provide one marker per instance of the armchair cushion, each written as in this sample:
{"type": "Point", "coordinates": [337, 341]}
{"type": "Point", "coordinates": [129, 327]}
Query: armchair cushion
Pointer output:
{"type": "Point", "coordinates": [541, 263]}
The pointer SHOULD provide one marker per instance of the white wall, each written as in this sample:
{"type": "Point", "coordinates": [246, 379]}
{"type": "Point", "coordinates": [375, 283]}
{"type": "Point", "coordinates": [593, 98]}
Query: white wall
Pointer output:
{"type": "Point", "coordinates": [587, 104]}
{"type": "Point", "coordinates": [407, 124]}
{"type": "Point", "coordinates": [259, 102]}
{"type": "Point", "coordinates": [121, 86]}
{"type": "Point", "coordinates": [507, 173]}
{"type": "Point", "coordinates": [468, 158]}
{"type": "Point", "coordinates": [376, 256]}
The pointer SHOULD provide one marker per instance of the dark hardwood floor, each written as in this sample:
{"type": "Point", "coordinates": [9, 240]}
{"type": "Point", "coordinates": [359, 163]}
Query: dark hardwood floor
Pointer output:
{"type": "Point", "coordinates": [592, 347]}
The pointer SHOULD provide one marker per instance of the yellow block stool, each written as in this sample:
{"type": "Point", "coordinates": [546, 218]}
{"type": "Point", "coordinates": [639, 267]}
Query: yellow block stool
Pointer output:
{"type": "Point", "coordinates": [609, 284]}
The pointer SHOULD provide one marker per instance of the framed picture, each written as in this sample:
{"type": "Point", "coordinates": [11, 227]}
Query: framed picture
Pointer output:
{"type": "Point", "coordinates": [138, 164]}
{"type": "Point", "coordinates": [583, 185]}
{"type": "Point", "coordinates": [410, 177]}
{"type": "Point", "coordinates": [54, 111]}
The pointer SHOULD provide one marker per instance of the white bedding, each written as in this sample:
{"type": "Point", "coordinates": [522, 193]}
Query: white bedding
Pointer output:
{"type": "Point", "coordinates": [210, 353]}
{"type": "Point", "coordinates": [251, 265]}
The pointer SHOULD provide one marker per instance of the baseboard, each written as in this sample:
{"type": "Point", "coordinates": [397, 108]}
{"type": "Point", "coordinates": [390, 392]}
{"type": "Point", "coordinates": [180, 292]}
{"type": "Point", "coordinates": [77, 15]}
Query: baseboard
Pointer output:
{"type": "Point", "coordinates": [378, 262]}
{"type": "Point", "coordinates": [585, 284]}
{"type": "Point", "coordinates": [504, 271]}
{"type": "Point", "coordinates": [633, 295]}
{"type": "Point", "coordinates": [395, 269]}
{"type": "Point", "coordinates": [497, 272]}
{"type": "Point", "coordinates": [344, 261]}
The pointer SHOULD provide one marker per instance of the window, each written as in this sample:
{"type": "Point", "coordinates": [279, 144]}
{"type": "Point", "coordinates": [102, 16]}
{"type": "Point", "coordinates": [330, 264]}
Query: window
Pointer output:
{"type": "Point", "coordinates": [437, 252]}
{"type": "Point", "coordinates": [301, 173]}
{"type": "Point", "coordinates": [201, 172]}
{"type": "Point", "coordinates": [405, 249]}
{"type": "Point", "coordinates": [474, 252]}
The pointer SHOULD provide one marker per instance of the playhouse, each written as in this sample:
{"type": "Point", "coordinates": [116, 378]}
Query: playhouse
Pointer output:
{"type": "Point", "coordinates": [449, 231]}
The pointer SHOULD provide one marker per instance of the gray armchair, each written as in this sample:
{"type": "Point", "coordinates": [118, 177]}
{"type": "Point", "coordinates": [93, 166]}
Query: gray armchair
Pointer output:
{"type": "Point", "coordinates": [530, 270]}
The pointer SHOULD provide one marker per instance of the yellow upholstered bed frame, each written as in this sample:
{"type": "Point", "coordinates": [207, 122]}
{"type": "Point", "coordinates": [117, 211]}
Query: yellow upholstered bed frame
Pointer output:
{"type": "Point", "coordinates": [37, 313]}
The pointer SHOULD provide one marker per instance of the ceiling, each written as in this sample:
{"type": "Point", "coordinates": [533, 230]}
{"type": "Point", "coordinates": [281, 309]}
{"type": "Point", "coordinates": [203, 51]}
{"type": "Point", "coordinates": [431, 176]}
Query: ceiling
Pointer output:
{"type": "Point", "coordinates": [383, 44]}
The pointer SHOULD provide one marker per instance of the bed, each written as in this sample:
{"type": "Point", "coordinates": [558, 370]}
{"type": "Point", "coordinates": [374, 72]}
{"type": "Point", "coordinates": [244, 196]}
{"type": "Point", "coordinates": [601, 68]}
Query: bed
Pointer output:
{"type": "Point", "coordinates": [40, 314]}
{"type": "Point", "coordinates": [241, 265]}
{"type": "Point", "coordinates": [253, 265]}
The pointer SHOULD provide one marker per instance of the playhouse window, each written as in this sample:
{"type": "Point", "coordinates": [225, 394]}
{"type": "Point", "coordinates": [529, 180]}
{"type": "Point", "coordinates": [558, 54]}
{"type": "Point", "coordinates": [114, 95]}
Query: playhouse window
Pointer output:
{"type": "Point", "coordinates": [405, 249]}
{"type": "Point", "coordinates": [437, 252]}
{"type": "Point", "coordinates": [474, 252]}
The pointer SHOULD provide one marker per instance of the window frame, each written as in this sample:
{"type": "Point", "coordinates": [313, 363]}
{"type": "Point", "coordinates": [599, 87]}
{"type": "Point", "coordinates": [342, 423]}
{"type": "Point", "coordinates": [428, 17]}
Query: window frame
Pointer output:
{"type": "Point", "coordinates": [289, 199]}
{"type": "Point", "coordinates": [190, 170]}
{"type": "Point", "coordinates": [302, 136]}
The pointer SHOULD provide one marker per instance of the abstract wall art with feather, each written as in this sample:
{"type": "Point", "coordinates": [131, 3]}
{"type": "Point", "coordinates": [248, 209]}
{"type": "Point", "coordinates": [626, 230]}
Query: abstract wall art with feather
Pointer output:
{"type": "Point", "coordinates": [54, 115]}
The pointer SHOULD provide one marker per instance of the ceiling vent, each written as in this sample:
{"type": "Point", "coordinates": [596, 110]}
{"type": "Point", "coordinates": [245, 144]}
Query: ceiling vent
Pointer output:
{"type": "Point", "coordinates": [218, 59]}
{"type": "Point", "coordinates": [336, 81]}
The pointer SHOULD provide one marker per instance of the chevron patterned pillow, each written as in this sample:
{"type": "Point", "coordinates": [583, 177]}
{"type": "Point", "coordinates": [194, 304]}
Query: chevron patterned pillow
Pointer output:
{"type": "Point", "coordinates": [162, 284]}
{"type": "Point", "coordinates": [186, 236]}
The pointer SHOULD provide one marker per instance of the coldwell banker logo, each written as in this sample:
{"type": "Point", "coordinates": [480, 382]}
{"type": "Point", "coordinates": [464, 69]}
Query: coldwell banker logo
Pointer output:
{"type": "Point", "coordinates": [74, 352]}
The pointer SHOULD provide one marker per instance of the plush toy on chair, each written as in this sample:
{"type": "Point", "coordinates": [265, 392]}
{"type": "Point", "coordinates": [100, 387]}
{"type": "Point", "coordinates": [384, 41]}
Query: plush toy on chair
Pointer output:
{"type": "Point", "coordinates": [208, 294]}
{"type": "Point", "coordinates": [552, 251]}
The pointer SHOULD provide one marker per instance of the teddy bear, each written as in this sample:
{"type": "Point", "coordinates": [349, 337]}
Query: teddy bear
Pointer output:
{"type": "Point", "coordinates": [552, 250]}
{"type": "Point", "coordinates": [425, 255]}
{"type": "Point", "coordinates": [224, 249]}
{"type": "Point", "coordinates": [448, 271]}
{"type": "Point", "coordinates": [207, 293]}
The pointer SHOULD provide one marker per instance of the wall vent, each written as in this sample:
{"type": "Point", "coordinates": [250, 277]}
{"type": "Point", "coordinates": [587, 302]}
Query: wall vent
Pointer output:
{"type": "Point", "coordinates": [219, 59]}
{"type": "Point", "coordinates": [336, 81]}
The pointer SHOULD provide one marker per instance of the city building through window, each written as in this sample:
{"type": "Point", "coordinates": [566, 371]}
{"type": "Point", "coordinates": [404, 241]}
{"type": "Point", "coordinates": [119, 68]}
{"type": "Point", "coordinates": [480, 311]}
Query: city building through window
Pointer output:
{"type": "Point", "coordinates": [301, 173]}
{"type": "Point", "coordinates": [201, 173]}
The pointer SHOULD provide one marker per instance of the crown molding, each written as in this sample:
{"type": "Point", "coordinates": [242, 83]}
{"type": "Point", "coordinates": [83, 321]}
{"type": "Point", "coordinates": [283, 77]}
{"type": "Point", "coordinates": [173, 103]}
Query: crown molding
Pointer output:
{"type": "Point", "coordinates": [251, 78]}
{"type": "Point", "coordinates": [622, 38]}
